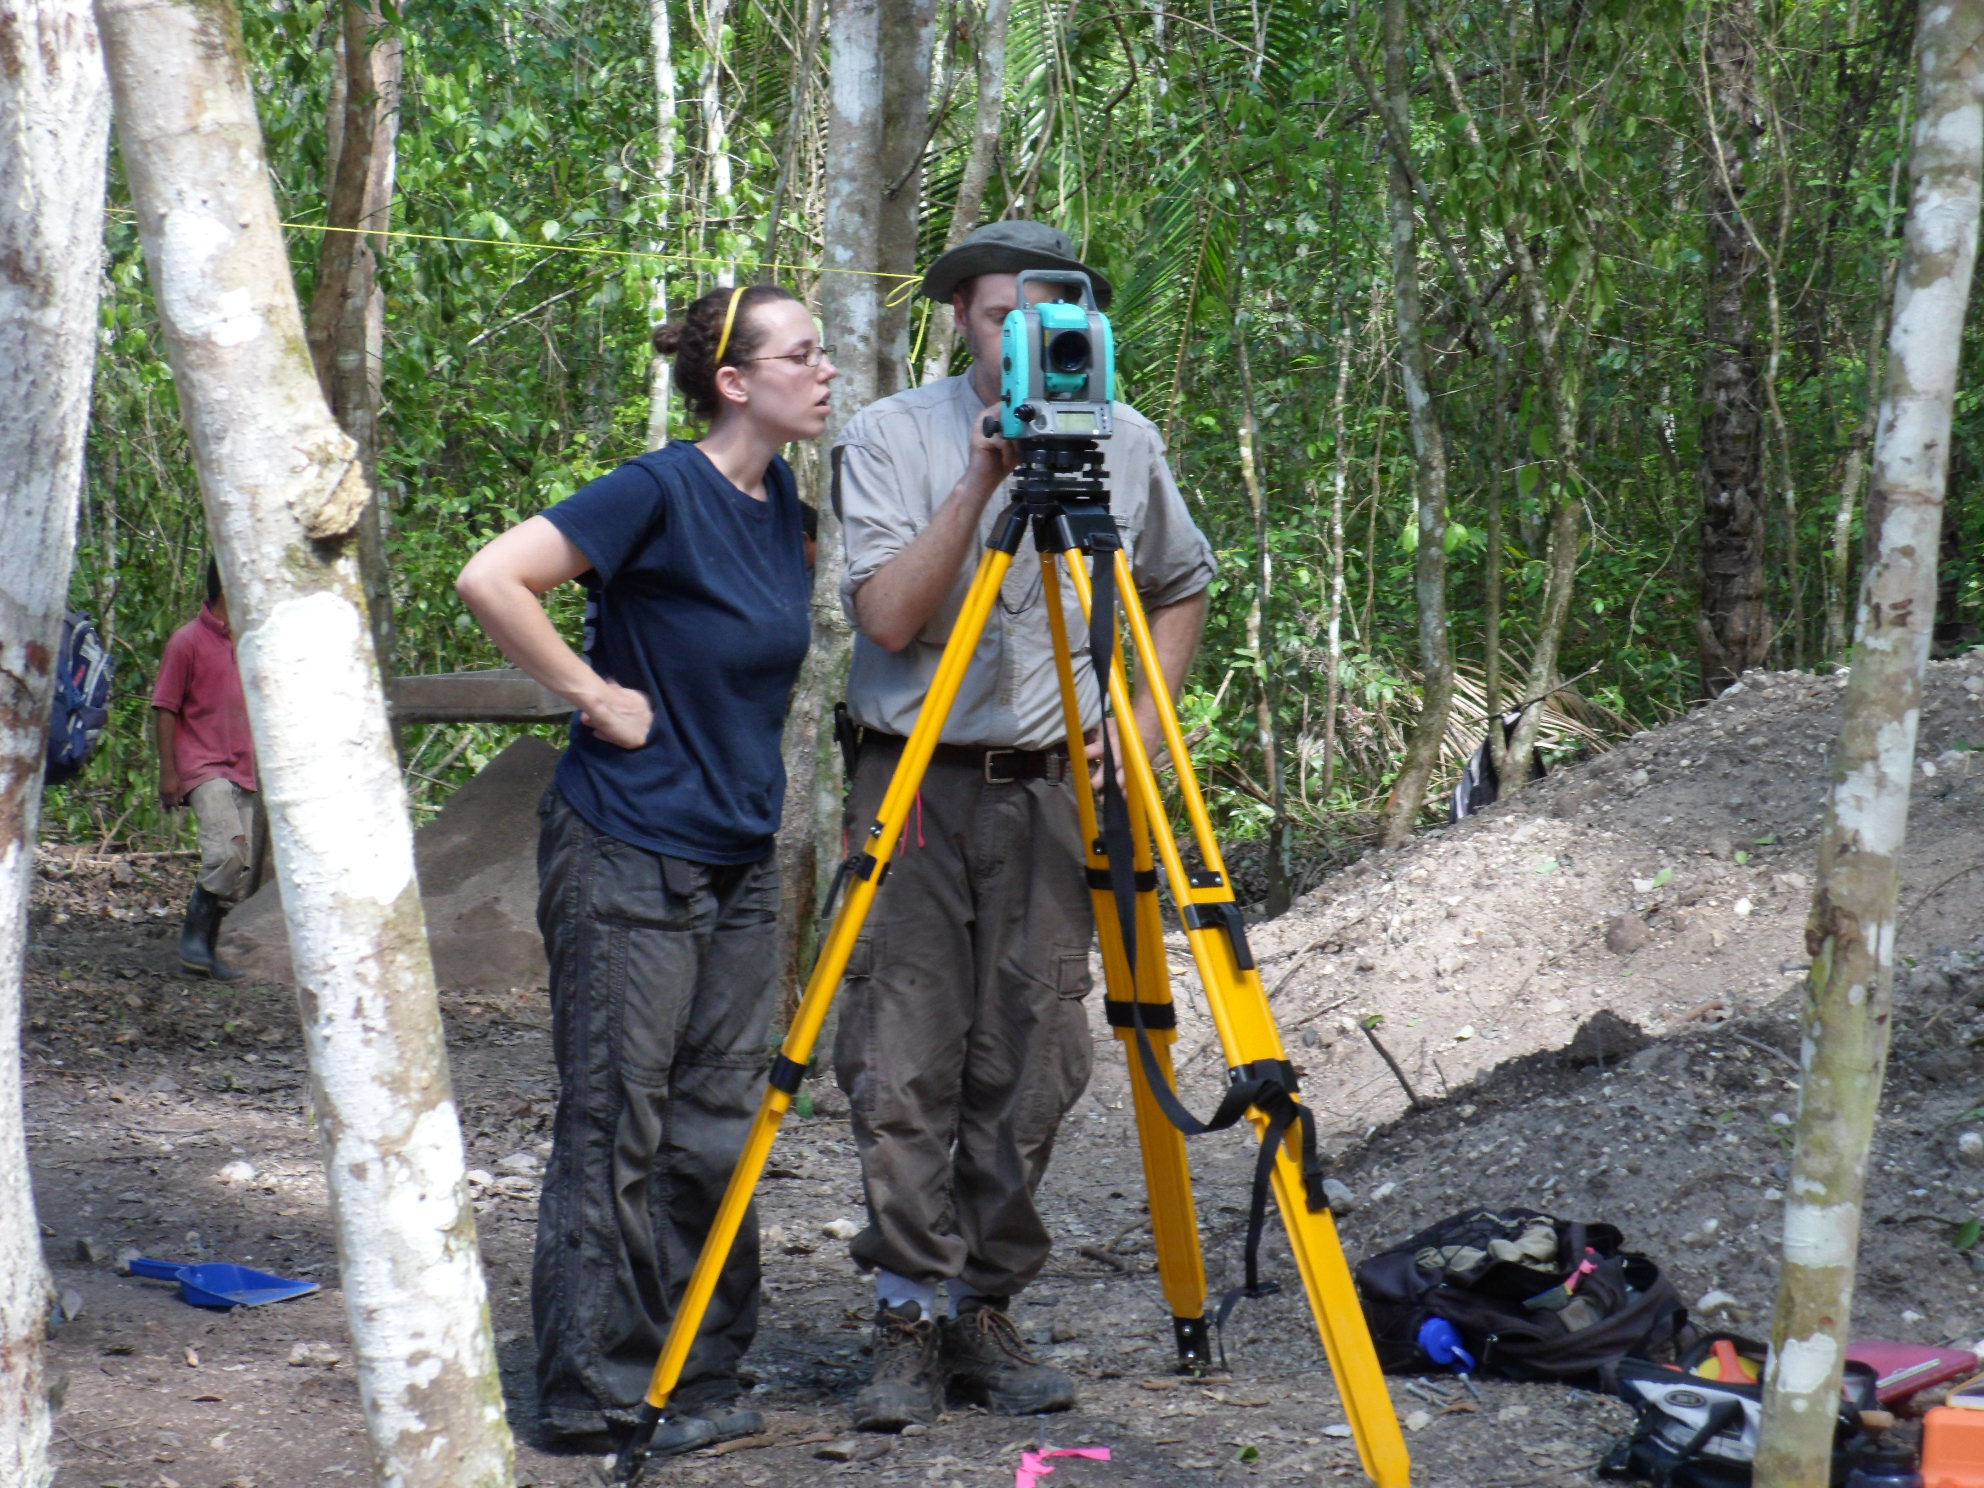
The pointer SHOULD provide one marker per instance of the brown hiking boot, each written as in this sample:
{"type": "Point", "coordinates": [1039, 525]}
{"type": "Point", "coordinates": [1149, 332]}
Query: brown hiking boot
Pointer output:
{"type": "Point", "coordinates": [988, 1364]}
{"type": "Point", "coordinates": [907, 1385]}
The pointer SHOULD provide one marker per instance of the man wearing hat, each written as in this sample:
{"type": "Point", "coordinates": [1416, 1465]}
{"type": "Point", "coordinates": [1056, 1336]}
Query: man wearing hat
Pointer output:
{"type": "Point", "coordinates": [963, 1037]}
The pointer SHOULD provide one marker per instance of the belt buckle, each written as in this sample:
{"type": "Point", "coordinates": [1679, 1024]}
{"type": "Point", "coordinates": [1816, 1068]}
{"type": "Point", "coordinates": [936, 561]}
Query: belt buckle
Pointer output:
{"type": "Point", "coordinates": [990, 777]}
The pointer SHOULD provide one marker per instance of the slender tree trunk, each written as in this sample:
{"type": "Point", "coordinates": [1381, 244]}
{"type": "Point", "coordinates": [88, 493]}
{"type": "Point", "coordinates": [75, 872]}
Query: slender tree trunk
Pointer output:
{"type": "Point", "coordinates": [1839, 562]}
{"type": "Point", "coordinates": [1733, 628]}
{"type": "Point", "coordinates": [1260, 620]}
{"type": "Point", "coordinates": [1436, 657]}
{"type": "Point", "coordinates": [909, 30]}
{"type": "Point", "coordinates": [347, 308]}
{"type": "Point", "coordinates": [991, 38]}
{"type": "Point", "coordinates": [1512, 755]}
{"type": "Point", "coordinates": [342, 280]}
{"type": "Point", "coordinates": [1849, 994]}
{"type": "Point", "coordinates": [1546, 328]}
{"type": "Point", "coordinates": [850, 295]}
{"type": "Point", "coordinates": [719, 200]}
{"type": "Point", "coordinates": [284, 492]}
{"type": "Point", "coordinates": [54, 129]}
{"type": "Point", "coordinates": [799, 110]}
{"type": "Point", "coordinates": [662, 56]}
{"type": "Point", "coordinates": [1333, 665]}
{"type": "Point", "coordinates": [1491, 588]}
{"type": "Point", "coordinates": [850, 303]}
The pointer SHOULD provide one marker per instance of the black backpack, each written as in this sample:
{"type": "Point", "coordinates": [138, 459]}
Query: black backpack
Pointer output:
{"type": "Point", "coordinates": [81, 705]}
{"type": "Point", "coordinates": [1696, 1432]}
{"type": "Point", "coordinates": [1531, 1296]}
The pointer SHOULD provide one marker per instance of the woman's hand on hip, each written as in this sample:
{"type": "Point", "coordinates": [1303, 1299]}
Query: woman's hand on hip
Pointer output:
{"type": "Point", "coordinates": [619, 715]}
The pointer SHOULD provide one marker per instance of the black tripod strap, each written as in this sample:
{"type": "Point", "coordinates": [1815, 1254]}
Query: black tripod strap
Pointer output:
{"type": "Point", "coordinates": [1268, 1084]}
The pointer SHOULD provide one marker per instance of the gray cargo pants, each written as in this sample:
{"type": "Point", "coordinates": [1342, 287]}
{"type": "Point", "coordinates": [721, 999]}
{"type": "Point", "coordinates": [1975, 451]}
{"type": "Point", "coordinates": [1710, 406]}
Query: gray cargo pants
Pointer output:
{"type": "Point", "coordinates": [963, 1040]}
{"type": "Point", "coordinates": [662, 985]}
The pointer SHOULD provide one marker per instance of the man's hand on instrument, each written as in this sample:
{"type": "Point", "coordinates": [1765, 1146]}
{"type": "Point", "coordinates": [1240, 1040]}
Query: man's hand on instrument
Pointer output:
{"type": "Point", "coordinates": [993, 456]}
{"type": "Point", "coordinates": [619, 715]}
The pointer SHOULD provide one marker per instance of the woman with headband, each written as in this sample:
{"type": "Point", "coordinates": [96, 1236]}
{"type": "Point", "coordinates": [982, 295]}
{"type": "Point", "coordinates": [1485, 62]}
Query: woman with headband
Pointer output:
{"type": "Point", "coordinates": [658, 884]}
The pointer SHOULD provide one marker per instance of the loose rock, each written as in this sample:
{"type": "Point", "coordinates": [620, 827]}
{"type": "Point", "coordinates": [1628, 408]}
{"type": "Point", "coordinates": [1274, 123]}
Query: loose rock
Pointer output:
{"type": "Point", "coordinates": [1626, 933]}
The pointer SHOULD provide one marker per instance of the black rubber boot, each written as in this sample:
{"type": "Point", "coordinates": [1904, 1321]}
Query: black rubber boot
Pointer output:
{"type": "Point", "coordinates": [907, 1386]}
{"type": "Point", "coordinates": [197, 936]}
{"type": "Point", "coordinates": [196, 947]}
{"type": "Point", "coordinates": [989, 1365]}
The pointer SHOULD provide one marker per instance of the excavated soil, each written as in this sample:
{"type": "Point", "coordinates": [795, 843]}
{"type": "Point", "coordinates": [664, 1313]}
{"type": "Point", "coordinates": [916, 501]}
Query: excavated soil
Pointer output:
{"type": "Point", "coordinates": [1590, 990]}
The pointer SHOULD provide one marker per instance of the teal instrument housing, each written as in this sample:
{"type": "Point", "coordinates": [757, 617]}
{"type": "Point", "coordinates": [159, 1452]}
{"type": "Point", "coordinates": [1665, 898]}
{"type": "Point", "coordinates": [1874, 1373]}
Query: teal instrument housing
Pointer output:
{"type": "Point", "coordinates": [1057, 376]}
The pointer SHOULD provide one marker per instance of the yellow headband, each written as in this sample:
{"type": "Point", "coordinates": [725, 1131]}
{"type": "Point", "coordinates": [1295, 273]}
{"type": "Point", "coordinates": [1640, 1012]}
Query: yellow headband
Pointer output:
{"type": "Point", "coordinates": [729, 319]}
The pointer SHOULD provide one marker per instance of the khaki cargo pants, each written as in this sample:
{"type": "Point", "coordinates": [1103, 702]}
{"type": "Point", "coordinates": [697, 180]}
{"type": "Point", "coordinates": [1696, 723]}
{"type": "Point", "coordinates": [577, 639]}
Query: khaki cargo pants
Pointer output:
{"type": "Point", "coordinates": [963, 1039]}
{"type": "Point", "coordinates": [234, 839]}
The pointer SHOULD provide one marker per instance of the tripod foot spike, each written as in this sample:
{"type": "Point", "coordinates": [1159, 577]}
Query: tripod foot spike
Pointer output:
{"type": "Point", "coordinates": [633, 1457]}
{"type": "Point", "coordinates": [1194, 1345]}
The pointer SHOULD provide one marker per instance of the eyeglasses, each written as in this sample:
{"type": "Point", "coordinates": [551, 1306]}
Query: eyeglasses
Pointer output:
{"type": "Point", "coordinates": [812, 356]}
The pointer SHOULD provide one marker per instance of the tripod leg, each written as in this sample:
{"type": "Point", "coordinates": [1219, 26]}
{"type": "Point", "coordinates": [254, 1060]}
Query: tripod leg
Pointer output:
{"type": "Point", "coordinates": [1167, 1172]}
{"type": "Point", "coordinates": [868, 865]}
{"type": "Point", "coordinates": [1247, 1036]}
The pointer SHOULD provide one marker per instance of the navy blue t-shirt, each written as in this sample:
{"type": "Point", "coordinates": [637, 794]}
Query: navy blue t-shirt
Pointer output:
{"type": "Point", "coordinates": [698, 597]}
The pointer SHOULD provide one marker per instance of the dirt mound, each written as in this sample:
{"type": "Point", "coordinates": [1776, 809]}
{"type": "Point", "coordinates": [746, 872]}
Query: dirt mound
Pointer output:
{"type": "Point", "coordinates": [1667, 882]}
{"type": "Point", "coordinates": [478, 880]}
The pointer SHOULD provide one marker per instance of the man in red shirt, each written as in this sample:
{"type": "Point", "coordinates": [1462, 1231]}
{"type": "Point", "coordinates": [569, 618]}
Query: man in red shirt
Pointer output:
{"type": "Point", "coordinates": [206, 759]}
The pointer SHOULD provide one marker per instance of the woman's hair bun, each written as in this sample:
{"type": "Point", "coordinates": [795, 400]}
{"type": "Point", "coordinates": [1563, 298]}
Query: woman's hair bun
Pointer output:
{"type": "Point", "coordinates": [692, 341]}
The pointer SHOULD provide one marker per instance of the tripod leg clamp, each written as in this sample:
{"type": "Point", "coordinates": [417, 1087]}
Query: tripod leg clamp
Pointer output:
{"type": "Point", "coordinates": [786, 1074]}
{"type": "Point", "coordinates": [1223, 915]}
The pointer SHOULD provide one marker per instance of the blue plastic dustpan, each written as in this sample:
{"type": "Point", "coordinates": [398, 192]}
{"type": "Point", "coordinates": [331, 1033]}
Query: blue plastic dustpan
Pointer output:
{"type": "Point", "coordinates": [222, 1283]}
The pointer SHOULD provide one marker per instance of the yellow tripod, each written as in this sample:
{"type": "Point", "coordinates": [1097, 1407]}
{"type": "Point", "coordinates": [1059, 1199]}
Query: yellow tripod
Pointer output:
{"type": "Point", "coordinates": [1060, 496]}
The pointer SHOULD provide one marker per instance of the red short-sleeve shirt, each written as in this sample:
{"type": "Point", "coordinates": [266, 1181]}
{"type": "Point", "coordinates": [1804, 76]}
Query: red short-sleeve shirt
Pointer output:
{"type": "Point", "coordinates": [199, 682]}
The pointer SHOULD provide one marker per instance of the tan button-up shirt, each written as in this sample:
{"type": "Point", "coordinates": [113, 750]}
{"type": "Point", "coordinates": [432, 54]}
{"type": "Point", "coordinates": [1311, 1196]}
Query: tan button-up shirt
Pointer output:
{"type": "Point", "coordinates": [899, 459]}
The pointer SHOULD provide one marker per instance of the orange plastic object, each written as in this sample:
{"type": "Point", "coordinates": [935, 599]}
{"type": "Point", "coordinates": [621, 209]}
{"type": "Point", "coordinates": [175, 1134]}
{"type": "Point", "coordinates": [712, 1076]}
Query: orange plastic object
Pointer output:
{"type": "Point", "coordinates": [1725, 1363]}
{"type": "Point", "coordinates": [1953, 1448]}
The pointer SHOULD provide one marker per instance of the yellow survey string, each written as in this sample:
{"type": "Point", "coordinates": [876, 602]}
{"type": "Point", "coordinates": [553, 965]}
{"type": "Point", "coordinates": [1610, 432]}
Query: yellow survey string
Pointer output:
{"type": "Point", "coordinates": [905, 283]}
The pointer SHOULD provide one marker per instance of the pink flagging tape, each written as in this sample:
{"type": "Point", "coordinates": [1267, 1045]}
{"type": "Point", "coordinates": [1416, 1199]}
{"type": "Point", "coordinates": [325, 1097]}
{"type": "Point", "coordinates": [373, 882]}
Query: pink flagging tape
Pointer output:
{"type": "Point", "coordinates": [1033, 1465]}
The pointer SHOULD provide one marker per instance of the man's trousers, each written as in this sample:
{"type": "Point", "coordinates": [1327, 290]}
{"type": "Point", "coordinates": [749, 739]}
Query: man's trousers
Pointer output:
{"type": "Point", "coordinates": [963, 1038]}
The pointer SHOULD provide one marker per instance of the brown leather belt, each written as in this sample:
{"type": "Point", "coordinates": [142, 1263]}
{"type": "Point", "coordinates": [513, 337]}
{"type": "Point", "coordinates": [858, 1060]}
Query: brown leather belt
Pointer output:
{"type": "Point", "coordinates": [996, 766]}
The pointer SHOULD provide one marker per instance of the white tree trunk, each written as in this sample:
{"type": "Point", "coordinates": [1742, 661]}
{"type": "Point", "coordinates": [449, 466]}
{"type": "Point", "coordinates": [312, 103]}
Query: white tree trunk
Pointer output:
{"type": "Point", "coordinates": [908, 37]}
{"type": "Point", "coordinates": [284, 492]}
{"type": "Point", "coordinates": [1429, 447]}
{"type": "Point", "coordinates": [662, 53]}
{"type": "Point", "coordinates": [719, 199]}
{"type": "Point", "coordinates": [990, 33]}
{"type": "Point", "coordinates": [1849, 997]}
{"type": "Point", "coordinates": [850, 308]}
{"type": "Point", "coordinates": [54, 127]}
{"type": "Point", "coordinates": [850, 295]}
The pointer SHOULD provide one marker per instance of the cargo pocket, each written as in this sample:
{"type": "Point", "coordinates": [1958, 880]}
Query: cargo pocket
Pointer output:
{"type": "Point", "coordinates": [854, 1039]}
{"type": "Point", "coordinates": [860, 960]}
{"type": "Point", "coordinates": [642, 889]}
{"type": "Point", "coordinates": [1071, 974]}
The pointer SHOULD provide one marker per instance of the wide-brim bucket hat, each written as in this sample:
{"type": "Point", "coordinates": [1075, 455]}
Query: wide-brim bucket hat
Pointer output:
{"type": "Point", "coordinates": [1009, 248]}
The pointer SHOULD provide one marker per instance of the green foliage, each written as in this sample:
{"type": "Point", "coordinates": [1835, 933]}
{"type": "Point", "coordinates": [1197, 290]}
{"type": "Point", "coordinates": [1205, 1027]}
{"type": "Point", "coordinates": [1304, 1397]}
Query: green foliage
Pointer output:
{"type": "Point", "coordinates": [1224, 168]}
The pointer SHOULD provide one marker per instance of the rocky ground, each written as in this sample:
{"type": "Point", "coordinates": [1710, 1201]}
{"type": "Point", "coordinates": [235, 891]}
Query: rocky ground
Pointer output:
{"type": "Point", "coordinates": [1590, 991]}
